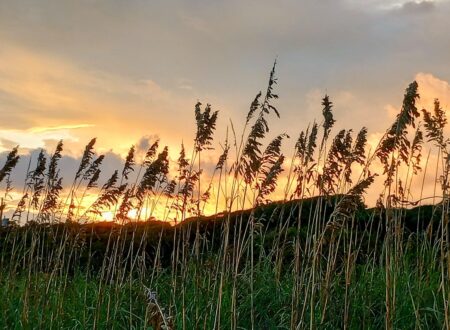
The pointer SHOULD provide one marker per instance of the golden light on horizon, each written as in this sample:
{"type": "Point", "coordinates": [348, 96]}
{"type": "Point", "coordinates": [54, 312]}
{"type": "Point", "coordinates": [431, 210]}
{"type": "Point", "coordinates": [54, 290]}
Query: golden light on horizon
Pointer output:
{"type": "Point", "coordinates": [108, 216]}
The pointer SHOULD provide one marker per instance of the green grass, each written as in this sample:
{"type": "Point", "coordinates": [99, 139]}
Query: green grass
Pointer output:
{"type": "Point", "coordinates": [78, 303]}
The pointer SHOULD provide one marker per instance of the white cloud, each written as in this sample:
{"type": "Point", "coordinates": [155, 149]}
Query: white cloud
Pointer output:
{"type": "Point", "coordinates": [395, 4]}
{"type": "Point", "coordinates": [35, 138]}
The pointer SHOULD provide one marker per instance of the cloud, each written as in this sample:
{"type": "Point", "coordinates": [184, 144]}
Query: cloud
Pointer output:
{"type": "Point", "coordinates": [57, 128]}
{"type": "Point", "coordinates": [38, 137]}
{"type": "Point", "coordinates": [418, 7]}
{"type": "Point", "coordinates": [410, 6]}
{"type": "Point", "coordinates": [226, 48]}
{"type": "Point", "coordinates": [184, 83]}
{"type": "Point", "coordinates": [391, 111]}
{"type": "Point", "coordinates": [52, 99]}
{"type": "Point", "coordinates": [144, 144]}
{"type": "Point", "coordinates": [30, 139]}
{"type": "Point", "coordinates": [431, 88]}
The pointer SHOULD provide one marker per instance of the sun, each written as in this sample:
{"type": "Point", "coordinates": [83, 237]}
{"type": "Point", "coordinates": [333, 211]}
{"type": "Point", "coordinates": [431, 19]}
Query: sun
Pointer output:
{"type": "Point", "coordinates": [108, 216]}
{"type": "Point", "coordinates": [133, 214]}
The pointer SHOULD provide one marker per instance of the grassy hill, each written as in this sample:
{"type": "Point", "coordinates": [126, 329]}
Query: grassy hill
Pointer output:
{"type": "Point", "coordinates": [85, 275]}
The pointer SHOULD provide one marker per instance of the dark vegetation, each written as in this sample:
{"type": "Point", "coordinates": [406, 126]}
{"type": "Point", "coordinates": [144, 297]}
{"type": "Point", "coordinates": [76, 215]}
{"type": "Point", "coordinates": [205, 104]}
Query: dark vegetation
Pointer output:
{"type": "Point", "coordinates": [153, 240]}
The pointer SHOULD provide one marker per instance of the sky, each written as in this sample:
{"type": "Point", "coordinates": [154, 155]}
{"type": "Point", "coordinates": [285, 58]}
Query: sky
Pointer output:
{"type": "Point", "coordinates": [128, 72]}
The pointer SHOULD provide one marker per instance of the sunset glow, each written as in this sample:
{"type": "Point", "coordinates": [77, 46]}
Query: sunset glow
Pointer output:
{"type": "Point", "coordinates": [52, 90]}
{"type": "Point", "coordinates": [232, 164]}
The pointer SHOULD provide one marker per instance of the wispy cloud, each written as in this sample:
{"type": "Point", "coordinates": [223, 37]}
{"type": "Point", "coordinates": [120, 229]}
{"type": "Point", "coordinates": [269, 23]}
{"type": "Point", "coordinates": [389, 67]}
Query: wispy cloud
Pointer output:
{"type": "Point", "coordinates": [58, 128]}
{"type": "Point", "coordinates": [34, 138]}
{"type": "Point", "coordinates": [49, 97]}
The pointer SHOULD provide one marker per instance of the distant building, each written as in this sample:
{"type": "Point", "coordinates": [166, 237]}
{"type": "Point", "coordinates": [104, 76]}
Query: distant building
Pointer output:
{"type": "Point", "coordinates": [5, 222]}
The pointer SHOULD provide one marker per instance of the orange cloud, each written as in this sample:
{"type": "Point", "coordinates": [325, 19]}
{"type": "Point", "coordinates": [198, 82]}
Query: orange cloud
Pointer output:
{"type": "Point", "coordinates": [430, 88]}
{"type": "Point", "coordinates": [47, 96]}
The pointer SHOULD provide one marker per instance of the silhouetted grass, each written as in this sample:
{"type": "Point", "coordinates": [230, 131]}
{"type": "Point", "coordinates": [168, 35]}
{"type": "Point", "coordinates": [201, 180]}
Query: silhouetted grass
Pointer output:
{"type": "Point", "coordinates": [317, 258]}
